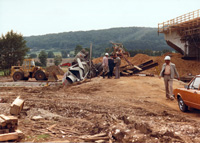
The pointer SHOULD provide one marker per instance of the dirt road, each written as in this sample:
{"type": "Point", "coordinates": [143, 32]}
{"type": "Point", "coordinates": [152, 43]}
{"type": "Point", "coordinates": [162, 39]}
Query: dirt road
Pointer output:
{"type": "Point", "coordinates": [133, 109]}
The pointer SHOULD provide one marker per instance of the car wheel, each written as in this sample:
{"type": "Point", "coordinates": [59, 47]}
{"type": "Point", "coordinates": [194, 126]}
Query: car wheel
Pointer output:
{"type": "Point", "coordinates": [182, 105]}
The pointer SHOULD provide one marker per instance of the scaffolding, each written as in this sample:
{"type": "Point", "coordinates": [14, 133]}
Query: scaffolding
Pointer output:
{"type": "Point", "coordinates": [187, 24]}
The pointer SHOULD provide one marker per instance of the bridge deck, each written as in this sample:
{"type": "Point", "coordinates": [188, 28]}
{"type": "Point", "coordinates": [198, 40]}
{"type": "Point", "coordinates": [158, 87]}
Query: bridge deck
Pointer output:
{"type": "Point", "coordinates": [187, 24]}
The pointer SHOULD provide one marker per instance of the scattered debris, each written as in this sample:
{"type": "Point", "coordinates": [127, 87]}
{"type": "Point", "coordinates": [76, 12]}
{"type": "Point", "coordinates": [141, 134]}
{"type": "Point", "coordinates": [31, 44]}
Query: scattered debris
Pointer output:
{"type": "Point", "coordinates": [95, 138]}
{"type": "Point", "coordinates": [37, 118]}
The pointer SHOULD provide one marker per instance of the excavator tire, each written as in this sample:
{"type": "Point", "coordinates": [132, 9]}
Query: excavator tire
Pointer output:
{"type": "Point", "coordinates": [40, 75]}
{"type": "Point", "coordinates": [18, 76]}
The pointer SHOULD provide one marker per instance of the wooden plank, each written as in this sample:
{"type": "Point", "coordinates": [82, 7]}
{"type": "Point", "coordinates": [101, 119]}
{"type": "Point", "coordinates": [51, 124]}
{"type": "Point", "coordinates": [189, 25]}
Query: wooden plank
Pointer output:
{"type": "Point", "coordinates": [138, 68]}
{"type": "Point", "coordinates": [125, 73]}
{"type": "Point", "coordinates": [16, 106]}
{"type": "Point", "coordinates": [9, 119]}
{"type": "Point", "coordinates": [2, 122]}
{"type": "Point", "coordinates": [9, 136]}
{"type": "Point", "coordinates": [129, 71]}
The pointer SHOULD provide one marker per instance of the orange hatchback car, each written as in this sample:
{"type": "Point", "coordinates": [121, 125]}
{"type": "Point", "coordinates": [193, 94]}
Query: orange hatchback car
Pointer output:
{"type": "Point", "coordinates": [189, 96]}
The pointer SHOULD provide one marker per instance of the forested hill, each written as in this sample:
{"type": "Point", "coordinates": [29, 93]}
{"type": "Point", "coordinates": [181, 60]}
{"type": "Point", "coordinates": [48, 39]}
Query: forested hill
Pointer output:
{"type": "Point", "coordinates": [131, 37]}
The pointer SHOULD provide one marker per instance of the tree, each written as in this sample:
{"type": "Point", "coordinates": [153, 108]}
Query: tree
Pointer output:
{"type": "Point", "coordinates": [57, 60]}
{"type": "Point", "coordinates": [13, 49]}
{"type": "Point", "coordinates": [33, 55]}
{"type": "Point", "coordinates": [43, 57]}
{"type": "Point", "coordinates": [64, 53]}
{"type": "Point", "coordinates": [51, 54]}
{"type": "Point", "coordinates": [77, 49]}
{"type": "Point", "coordinates": [38, 64]}
{"type": "Point", "coordinates": [166, 51]}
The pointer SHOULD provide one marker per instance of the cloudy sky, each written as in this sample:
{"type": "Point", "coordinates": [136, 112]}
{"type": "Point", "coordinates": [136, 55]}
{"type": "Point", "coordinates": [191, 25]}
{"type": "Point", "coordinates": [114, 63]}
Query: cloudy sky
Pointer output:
{"type": "Point", "coordinates": [39, 17]}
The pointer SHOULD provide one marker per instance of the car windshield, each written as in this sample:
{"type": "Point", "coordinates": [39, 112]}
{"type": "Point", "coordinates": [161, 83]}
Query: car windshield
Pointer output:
{"type": "Point", "coordinates": [195, 83]}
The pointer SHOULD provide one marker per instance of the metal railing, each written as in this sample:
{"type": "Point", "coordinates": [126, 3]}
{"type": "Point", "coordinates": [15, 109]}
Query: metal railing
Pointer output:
{"type": "Point", "coordinates": [162, 27]}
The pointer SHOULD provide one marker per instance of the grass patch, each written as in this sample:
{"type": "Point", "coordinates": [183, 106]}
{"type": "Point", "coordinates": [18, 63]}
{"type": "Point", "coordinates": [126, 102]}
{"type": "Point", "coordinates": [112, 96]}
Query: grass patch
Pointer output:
{"type": "Point", "coordinates": [43, 136]}
{"type": "Point", "coordinates": [5, 72]}
{"type": "Point", "coordinates": [1, 73]}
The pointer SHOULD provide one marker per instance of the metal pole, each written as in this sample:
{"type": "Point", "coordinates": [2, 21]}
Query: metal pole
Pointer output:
{"type": "Point", "coordinates": [90, 60]}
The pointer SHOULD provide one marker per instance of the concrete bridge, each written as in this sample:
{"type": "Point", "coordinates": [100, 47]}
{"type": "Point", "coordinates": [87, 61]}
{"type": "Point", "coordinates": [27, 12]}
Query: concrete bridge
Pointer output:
{"type": "Point", "coordinates": [183, 34]}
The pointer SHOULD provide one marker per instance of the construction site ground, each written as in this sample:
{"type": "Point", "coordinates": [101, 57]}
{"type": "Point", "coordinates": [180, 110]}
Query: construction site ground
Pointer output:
{"type": "Point", "coordinates": [134, 106]}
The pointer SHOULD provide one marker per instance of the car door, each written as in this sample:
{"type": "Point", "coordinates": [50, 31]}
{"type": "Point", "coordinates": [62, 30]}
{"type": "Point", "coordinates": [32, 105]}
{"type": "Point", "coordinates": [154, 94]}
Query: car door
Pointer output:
{"type": "Point", "coordinates": [197, 92]}
{"type": "Point", "coordinates": [193, 93]}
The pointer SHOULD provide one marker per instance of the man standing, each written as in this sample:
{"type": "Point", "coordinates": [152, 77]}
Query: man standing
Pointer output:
{"type": "Point", "coordinates": [168, 72]}
{"type": "Point", "coordinates": [117, 67]}
{"type": "Point", "coordinates": [105, 64]}
{"type": "Point", "coordinates": [111, 66]}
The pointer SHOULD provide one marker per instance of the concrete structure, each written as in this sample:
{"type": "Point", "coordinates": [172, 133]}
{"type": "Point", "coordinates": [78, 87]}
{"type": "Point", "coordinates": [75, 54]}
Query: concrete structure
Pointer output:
{"type": "Point", "coordinates": [183, 34]}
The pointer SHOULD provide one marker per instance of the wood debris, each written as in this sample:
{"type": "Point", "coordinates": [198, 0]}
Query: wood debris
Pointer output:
{"type": "Point", "coordinates": [130, 70]}
{"type": "Point", "coordinates": [8, 128]}
{"type": "Point", "coordinates": [16, 106]}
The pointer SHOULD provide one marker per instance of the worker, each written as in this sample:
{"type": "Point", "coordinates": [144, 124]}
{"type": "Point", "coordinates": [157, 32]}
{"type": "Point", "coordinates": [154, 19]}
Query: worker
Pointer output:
{"type": "Point", "coordinates": [168, 73]}
{"type": "Point", "coordinates": [111, 66]}
{"type": "Point", "coordinates": [105, 64]}
{"type": "Point", "coordinates": [117, 67]}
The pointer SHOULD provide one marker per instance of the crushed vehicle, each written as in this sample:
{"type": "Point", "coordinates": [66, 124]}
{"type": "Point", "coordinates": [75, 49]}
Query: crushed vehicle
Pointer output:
{"type": "Point", "coordinates": [189, 96]}
{"type": "Point", "coordinates": [81, 69]}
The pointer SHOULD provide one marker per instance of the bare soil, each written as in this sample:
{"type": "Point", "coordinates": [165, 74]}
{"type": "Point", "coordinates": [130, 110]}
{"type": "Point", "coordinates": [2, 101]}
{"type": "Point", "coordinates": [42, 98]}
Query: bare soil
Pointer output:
{"type": "Point", "coordinates": [135, 106]}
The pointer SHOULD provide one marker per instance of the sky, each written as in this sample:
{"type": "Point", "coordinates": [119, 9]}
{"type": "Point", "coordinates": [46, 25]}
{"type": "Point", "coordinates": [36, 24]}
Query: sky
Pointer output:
{"type": "Point", "coordinates": [40, 17]}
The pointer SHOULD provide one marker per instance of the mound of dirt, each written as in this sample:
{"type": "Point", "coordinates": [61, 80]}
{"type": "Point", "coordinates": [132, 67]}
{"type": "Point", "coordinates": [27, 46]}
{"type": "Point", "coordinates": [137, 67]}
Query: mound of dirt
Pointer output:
{"type": "Point", "coordinates": [184, 67]}
{"type": "Point", "coordinates": [55, 69]}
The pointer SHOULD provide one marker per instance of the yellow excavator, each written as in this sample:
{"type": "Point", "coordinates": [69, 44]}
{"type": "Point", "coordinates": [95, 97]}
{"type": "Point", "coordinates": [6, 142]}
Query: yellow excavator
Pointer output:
{"type": "Point", "coordinates": [29, 70]}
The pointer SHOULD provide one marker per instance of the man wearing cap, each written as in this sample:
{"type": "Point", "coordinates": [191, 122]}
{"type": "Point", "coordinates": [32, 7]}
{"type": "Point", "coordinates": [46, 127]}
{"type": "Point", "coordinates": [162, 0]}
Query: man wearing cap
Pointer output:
{"type": "Point", "coordinates": [105, 64]}
{"type": "Point", "coordinates": [168, 73]}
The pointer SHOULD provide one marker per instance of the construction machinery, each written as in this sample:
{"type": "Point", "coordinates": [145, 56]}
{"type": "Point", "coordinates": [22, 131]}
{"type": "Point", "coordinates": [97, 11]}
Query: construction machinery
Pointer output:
{"type": "Point", "coordinates": [29, 70]}
{"type": "Point", "coordinates": [118, 49]}
{"type": "Point", "coordinates": [81, 69]}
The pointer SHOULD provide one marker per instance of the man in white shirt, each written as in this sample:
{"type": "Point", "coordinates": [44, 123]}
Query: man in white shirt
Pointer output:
{"type": "Point", "coordinates": [168, 72]}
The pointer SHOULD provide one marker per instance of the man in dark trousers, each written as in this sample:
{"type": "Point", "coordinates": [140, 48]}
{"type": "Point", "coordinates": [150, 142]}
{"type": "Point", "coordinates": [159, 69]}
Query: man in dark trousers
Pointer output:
{"type": "Point", "coordinates": [111, 66]}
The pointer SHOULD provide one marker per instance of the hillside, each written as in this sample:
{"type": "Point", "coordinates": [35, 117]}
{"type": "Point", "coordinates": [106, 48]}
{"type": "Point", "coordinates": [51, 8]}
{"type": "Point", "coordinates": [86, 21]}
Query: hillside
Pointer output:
{"type": "Point", "coordinates": [132, 37]}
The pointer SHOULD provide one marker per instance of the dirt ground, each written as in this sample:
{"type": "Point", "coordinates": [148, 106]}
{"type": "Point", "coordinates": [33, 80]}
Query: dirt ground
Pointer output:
{"type": "Point", "coordinates": [133, 108]}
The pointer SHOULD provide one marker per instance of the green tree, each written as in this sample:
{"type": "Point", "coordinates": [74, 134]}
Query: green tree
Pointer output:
{"type": "Point", "coordinates": [12, 49]}
{"type": "Point", "coordinates": [51, 54]}
{"type": "Point", "coordinates": [33, 55]}
{"type": "Point", "coordinates": [43, 58]}
{"type": "Point", "coordinates": [57, 60]}
{"type": "Point", "coordinates": [64, 53]}
{"type": "Point", "coordinates": [166, 51]}
{"type": "Point", "coordinates": [78, 49]}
